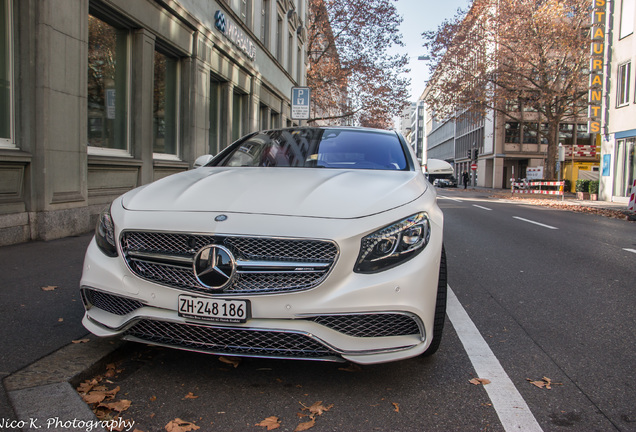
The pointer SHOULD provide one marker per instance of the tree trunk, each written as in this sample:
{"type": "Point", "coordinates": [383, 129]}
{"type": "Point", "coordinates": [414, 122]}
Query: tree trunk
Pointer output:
{"type": "Point", "coordinates": [553, 145]}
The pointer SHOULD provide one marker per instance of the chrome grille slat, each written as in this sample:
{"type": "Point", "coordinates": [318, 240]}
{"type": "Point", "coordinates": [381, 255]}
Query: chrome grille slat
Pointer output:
{"type": "Point", "coordinates": [287, 265]}
{"type": "Point", "coordinates": [370, 325]}
{"type": "Point", "coordinates": [236, 341]}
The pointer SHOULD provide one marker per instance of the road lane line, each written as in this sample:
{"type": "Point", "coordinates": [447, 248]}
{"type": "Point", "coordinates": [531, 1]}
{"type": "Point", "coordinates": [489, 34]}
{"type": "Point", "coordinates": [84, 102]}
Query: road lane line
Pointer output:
{"type": "Point", "coordinates": [506, 400]}
{"type": "Point", "coordinates": [449, 198]}
{"type": "Point", "coordinates": [483, 208]}
{"type": "Point", "coordinates": [630, 250]}
{"type": "Point", "coordinates": [536, 223]}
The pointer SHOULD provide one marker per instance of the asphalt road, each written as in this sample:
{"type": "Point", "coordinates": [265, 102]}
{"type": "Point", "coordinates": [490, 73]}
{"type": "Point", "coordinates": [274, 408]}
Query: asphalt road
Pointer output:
{"type": "Point", "coordinates": [550, 292]}
{"type": "Point", "coordinates": [554, 300]}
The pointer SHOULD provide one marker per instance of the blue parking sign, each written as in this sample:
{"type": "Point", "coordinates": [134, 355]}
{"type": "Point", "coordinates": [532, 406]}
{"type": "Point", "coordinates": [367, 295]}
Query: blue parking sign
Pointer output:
{"type": "Point", "coordinates": [300, 98]}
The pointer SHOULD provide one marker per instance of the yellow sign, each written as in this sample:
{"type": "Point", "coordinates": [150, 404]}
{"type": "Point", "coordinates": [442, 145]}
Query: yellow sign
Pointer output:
{"type": "Point", "coordinates": [597, 67]}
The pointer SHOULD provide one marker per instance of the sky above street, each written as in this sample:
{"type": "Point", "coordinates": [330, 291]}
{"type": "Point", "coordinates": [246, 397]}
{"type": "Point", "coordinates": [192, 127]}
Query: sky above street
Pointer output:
{"type": "Point", "coordinates": [420, 16]}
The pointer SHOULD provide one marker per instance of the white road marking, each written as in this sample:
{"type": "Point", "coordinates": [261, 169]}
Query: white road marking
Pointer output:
{"type": "Point", "coordinates": [536, 223]}
{"type": "Point", "coordinates": [483, 208]}
{"type": "Point", "coordinates": [448, 198]}
{"type": "Point", "coordinates": [630, 250]}
{"type": "Point", "coordinates": [506, 400]}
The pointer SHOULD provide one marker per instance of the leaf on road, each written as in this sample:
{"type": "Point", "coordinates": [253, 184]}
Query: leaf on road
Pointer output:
{"type": "Point", "coordinates": [79, 341]}
{"type": "Point", "coordinates": [478, 381]}
{"type": "Point", "coordinates": [305, 426]}
{"type": "Point", "coordinates": [60, 319]}
{"type": "Point", "coordinates": [99, 394]}
{"type": "Point", "coordinates": [178, 425]}
{"type": "Point", "coordinates": [352, 367]}
{"type": "Point", "coordinates": [118, 406]}
{"type": "Point", "coordinates": [87, 385]}
{"type": "Point", "coordinates": [190, 395]}
{"type": "Point", "coordinates": [317, 409]}
{"type": "Point", "coordinates": [110, 370]}
{"type": "Point", "coordinates": [234, 361]}
{"type": "Point", "coordinates": [94, 397]}
{"type": "Point", "coordinates": [545, 382]}
{"type": "Point", "coordinates": [270, 423]}
{"type": "Point", "coordinates": [49, 288]}
{"type": "Point", "coordinates": [396, 407]}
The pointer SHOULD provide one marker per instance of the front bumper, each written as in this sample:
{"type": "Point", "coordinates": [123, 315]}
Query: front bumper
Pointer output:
{"type": "Point", "coordinates": [380, 317]}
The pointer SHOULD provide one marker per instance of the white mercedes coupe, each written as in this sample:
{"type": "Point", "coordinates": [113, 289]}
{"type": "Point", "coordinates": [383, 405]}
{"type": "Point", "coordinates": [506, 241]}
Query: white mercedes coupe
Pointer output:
{"type": "Point", "coordinates": [300, 243]}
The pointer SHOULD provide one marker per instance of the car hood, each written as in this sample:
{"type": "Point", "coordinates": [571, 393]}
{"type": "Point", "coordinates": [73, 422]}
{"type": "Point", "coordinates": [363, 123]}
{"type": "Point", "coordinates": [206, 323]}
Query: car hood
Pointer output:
{"type": "Point", "coordinates": [322, 193]}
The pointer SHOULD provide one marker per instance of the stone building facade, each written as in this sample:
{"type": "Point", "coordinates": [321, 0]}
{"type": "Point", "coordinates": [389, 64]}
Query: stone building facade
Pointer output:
{"type": "Point", "coordinates": [100, 96]}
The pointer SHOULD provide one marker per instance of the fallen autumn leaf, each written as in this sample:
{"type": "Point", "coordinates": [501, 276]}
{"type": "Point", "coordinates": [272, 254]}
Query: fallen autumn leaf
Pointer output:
{"type": "Point", "coordinates": [118, 406]}
{"type": "Point", "coordinates": [477, 381]}
{"type": "Point", "coordinates": [317, 409]}
{"type": "Point", "coordinates": [178, 425]}
{"type": "Point", "coordinates": [270, 423]}
{"type": "Point", "coordinates": [234, 361]}
{"type": "Point", "coordinates": [305, 426]}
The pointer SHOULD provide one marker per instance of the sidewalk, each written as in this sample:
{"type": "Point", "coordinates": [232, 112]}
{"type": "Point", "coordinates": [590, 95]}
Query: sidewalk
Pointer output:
{"type": "Point", "coordinates": [568, 201]}
{"type": "Point", "coordinates": [40, 316]}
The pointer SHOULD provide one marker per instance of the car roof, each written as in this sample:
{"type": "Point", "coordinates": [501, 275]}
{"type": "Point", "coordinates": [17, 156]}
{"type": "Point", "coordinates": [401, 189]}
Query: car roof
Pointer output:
{"type": "Point", "coordinates": [343, 128]}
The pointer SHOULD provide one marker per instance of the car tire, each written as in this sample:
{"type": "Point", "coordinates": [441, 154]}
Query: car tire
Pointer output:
{"type": "Point", "coordinates": [440, 307]}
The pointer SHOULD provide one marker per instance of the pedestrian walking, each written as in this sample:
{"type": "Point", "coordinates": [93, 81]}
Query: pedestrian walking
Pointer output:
{"type": "Point", "coordinates": [465, 179]}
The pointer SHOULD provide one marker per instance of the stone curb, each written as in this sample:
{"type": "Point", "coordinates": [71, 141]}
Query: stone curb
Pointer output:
{"type": "Point", "coordinates": [42, 393]}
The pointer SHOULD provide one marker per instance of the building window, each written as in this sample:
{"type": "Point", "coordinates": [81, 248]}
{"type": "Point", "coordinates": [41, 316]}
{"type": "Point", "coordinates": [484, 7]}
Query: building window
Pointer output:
{"type": "Point", "coordinates": [625, 168]}
{"type": "Point", "coordinates": [6, 75]}
{"type": "Point", "coordinates": [290, 53]}
{"type": "Point", "coordinates": [166, 104]}
{"type": "Point", "coordinates": [246, 12]}
{"type": "Point", "coordinates": [627, 18]}
{"type": "Point", "coordinates": [513, 133]}
{"type": "Point", "coordinates": [583, 137]}
{"type": "Point", "coordinates": [108, 84]}
{"type": "Point", "coordinates": [299, 64]}
{"type": "Point", "coordinates": [566, 133]}
{"type": "Point", "coordinates": [239, 115]}
{"type": "Point", "coordinates": [215, 117]}
{"type": "Point", "coordinates": [263, 118]}
{"type": "Point", "coordinates": [265, 18]}
{"type": "Point", "coordinates": [624, 79]}
{"type": "Point", "coordinates": [279, 39]}
{"type": "Point", "coordinates": [274, 121]}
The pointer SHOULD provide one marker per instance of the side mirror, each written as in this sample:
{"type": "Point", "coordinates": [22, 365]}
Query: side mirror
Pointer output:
{"type": "Point", "coordinates": [202, 160]}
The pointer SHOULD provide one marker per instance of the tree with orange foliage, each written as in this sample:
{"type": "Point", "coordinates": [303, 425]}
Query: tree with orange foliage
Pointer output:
{"type": "Point", "coordinates": [353, 78]}
{"type": "Point", "coordinates": [526, 59]}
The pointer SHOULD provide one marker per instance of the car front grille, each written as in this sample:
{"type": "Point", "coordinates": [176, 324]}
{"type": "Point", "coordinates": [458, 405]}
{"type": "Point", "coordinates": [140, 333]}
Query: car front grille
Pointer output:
{"type": "Point", "coordinates": [109, 302]}
{"type": "Point", "coordinates": [231, 341]}
{"type": "Point", "coordinates": [284, 265]}
{"type": "Point", "coordinates": [370, 325]}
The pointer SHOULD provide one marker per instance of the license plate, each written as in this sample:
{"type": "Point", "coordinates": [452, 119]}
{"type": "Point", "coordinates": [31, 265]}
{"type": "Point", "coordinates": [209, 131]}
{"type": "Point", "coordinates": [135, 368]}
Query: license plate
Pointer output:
{"type": "Point", "coordinates": [219, 310]}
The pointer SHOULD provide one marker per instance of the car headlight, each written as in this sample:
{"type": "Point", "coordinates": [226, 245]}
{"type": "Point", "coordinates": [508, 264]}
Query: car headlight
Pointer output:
{"type": "Point", "coordinates": [105, 233]}
{"type": "Point", "coordinates": [393, 244]}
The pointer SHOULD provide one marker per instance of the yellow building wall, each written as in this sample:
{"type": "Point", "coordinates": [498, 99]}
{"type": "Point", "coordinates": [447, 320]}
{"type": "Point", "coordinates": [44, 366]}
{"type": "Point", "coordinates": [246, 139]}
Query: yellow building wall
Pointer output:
{"type": "Point", "coordinates": [573, 175]}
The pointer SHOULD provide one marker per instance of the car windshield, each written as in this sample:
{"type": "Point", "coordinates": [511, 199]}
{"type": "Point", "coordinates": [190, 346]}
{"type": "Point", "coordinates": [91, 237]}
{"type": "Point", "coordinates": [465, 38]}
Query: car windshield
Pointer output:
{"type": "Point", "coordinates": [317, 148]}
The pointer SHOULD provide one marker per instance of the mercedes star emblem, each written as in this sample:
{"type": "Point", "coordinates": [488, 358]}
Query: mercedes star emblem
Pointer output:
{"type": "Point", "coordinates": [214, 267]}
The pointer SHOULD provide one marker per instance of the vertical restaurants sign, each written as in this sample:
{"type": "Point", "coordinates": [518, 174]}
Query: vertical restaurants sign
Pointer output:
{"type": "Point", "coordinates": [597, 69]}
